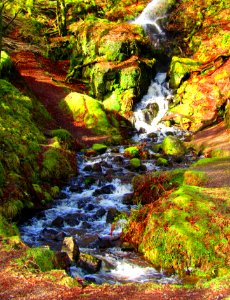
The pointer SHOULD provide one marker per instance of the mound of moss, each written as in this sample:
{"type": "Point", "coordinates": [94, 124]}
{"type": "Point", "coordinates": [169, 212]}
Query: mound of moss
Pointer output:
{"type": "Point", "coordinates": [185, 225]}
{"type": "Point", "coordinates": [91, 112]}
{"type": "Point", "coordinates": [31, 168]}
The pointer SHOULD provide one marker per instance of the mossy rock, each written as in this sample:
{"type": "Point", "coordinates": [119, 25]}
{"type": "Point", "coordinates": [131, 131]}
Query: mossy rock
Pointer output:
{"type": "Point", "coordinates": [171, 145]}
{"type": "Point", "coordinates": [6, 63]}
{"type": "Point", "coordinates": [161, 161]}
{"type": "Point", "coordinates": [87, 110]}
{"type": "Point", "coordinates": [132, 152]}
{"type": "Point", "coordinates": [179, 68]}
{"type": "Point", "coordinates": [64, 136]}
{"type": "Point", "coordinates": [100, 148]}
{"type": "Point", "coordinates": [135, 163]}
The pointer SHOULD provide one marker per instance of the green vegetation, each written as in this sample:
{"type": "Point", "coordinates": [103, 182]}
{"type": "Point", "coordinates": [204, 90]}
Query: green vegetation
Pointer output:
{"type": "Point", "coordinates": [171, 145]}
{"type": "Point", "coordinates": [185, 225]}
{"type": "Point", "coordinates": [38, 259]}
{"type": "Point", "coordinates": [133, 151]}
{"type": "Point", "coordinates": [100, 148]}
{"type": "Point", "coordinates": [30, 170]}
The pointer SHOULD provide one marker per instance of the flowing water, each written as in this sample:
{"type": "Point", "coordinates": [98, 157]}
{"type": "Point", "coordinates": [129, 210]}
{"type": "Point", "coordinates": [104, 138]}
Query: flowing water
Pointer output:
{"type": "Point", "coordinates": [90, 204]}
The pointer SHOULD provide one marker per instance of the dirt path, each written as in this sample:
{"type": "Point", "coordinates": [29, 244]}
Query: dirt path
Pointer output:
{"type": "Point", "coordinates": [45, 79]}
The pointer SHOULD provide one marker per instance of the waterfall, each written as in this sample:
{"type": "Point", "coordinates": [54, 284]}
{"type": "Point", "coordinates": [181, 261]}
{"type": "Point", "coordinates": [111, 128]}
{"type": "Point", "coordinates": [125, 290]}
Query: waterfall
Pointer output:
{"type": "Point", "coordinates": [154, 12]}
{"type": "Point", "coordinates": [151, 109]}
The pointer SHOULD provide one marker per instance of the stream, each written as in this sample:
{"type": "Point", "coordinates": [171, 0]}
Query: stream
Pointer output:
{"type": "Point", "coordinates": [91, 203]}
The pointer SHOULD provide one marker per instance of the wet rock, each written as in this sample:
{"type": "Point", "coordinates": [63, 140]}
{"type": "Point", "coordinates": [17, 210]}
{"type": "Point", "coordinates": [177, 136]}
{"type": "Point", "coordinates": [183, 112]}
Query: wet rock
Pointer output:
{"type": "Point", "coordinates": [76, 188]}
{"type": "Point", "coordinates": [118, 159]}
{"type": "Point", "coordinates": [70, 246]}
{"type": "Point", "coordinates": [86, 225]}
{"type": "Point", "coordinates": [97, 167]}
{"type": "Point", "coordinates": [106, 165]}
{"type": "Point", "coordinates": [58, 222]}
{"type": "Point", "coordinates": [62, 195]}
{"type": "Point", "coordinates": [108, 242]}
{"type": "Point", "coordinates": [125, 246]}
{"type": "Point", "coordinates": [112, 214]}
{"type": "Point", "coordinates": [90, 207]}
{"type": "Point", "coordinates": [107, 189]}
{"type": "Point", "coordinates": [52, 234]}
{"type": "Point", "coordinates": [152, 135]}
{"type": "Point", "coordinates": [81, 204]}
{"type": "Point", "coordinates": [89, 263]}
{"type": "Point", "coordinates": [128, 199]}
{"type": "Point", "coordinates": [62, 261]}
{"type": "Point", "coordinates": [141, 130]}
{"type": "Point", "coordinates": [100, 213]}
{"type": "Point", "coordinates": [73, 219]}
{"type": "Point", "coordinates": [87, 168]}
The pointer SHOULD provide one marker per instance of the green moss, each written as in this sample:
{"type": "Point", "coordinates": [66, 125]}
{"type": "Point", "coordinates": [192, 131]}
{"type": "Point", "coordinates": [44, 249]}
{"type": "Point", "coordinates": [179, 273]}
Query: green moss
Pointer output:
{"type": "Point", "coordinates": [63, 136]}
{"type": "Point", "coordinates": [171, 145]}
{"type": "Point", "coordinates": [7, 228]}
{"type": "Point", "coordinates": [193, 177]}
{"type": "Point", "coordinates": [132, 151]}
{"type": "Point", "coordinates": [88, 110]}
{"type": "Point", "coordinates": [5, 63]}
{"type": "Point", "coordinates": [101, 148]}
{"type": "Point", "coordinates": [38, 258]}
{"type": "Point", "coordinates": [135, 163]}
{"type": "Point", "coordinates": [56, 165]}
{"type": "Point", "coordinates": [179, 67]}
{"type": "Point", "coordinates": [113, 102]}
{"type": "Point", "coordinates": [162, 162]}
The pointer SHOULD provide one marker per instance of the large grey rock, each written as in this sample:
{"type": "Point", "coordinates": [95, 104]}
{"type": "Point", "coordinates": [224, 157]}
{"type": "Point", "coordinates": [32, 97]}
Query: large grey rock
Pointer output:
{"type": "Point", "coordinates": [70, 246]}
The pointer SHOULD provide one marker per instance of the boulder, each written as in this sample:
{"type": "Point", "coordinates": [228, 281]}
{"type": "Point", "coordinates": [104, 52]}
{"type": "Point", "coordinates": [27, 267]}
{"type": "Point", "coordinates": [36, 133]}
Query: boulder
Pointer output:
{"type": "Point", "coordinates": [89, 263]}
{"type": "Point", "coordinates": [107, 189]}
{"type": "Point", "coordinates": [58, 222]}
{"type": "Point", "coordinates": [171, 145]}
{"type": "Point", "coordinates": [112, 214]}
{"type": "Point", "coordinates": [70, 246]}
{"type": "Point", "coordinates": [100, 148]}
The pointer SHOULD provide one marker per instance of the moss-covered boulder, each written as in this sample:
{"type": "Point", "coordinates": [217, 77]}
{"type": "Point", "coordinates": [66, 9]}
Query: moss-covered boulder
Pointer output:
{"type": "Point", "coordinates": [187, 228]}
{"type": "Point", "coordinates": [171, 145]}
{"type": "Point", "coordinates": [115, 59]}
{"type": "Point", "coordinates": [135, 163]}
{"type": "Point", "coordinates": [89, 112]}
{"type": "Point", "coordinates": [5, 63]}
{"type": "Point", "coordinates": [179, 68]}
{"type": "Point", "coordinates": [132, 151]}
{"type": "Point", "coordinates": [100, 148]}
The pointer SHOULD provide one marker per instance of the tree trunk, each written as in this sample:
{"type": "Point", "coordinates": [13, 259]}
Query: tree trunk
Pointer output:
{"type": "Point", "coordinates": [61, 17]}
{"type": "Point", "coordinates": [1, 34]}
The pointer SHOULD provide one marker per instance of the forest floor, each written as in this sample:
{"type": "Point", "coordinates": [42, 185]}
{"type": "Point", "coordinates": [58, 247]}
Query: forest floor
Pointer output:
{"type": "Point", "coordinates": [45, 80]}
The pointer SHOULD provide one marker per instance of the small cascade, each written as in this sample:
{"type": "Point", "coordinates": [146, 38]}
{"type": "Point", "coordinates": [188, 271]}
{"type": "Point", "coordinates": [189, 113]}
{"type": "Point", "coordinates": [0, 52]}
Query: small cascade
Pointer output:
{"type": "Point", "coordinates": [153, 106]}
{"type": "Point", "coordinates": [152, 15]}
